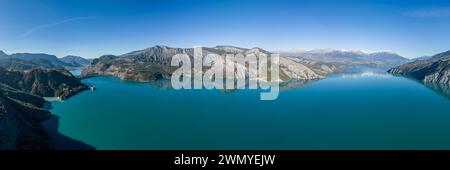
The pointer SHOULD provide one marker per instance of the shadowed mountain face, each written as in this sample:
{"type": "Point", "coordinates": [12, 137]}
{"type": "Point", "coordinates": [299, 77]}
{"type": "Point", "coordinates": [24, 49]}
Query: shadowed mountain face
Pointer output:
{"type": "Point", "coordinates": [435, 69]}
{"type": "Point", "coordinates": [20, 124]}
{"type": "Point", "coordinates": [351, 58]}
{"type": "Point", "coordinates": [154, 63]}
{"type": "Point", "coordinates": [21, 105]}
{"type": "Point", "coordinates": [46, 83]}
{"type": "Point", "coordinates": [22, 96]}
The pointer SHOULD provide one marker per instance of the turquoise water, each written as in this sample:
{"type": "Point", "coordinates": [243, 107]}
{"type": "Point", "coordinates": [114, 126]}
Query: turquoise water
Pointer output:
{"type": "Point", "coordinates": [355, 111]}
{"type": "Point", "coordinates": [76, 72]}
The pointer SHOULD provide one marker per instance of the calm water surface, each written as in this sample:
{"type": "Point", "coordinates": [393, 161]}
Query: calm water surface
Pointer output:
{"type": "Point", "coordinates": [367, 110]}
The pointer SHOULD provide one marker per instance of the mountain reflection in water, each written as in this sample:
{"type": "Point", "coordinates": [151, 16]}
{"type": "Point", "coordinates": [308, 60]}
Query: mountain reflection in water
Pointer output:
{"type": "Point", "coordinates": [441, 89]}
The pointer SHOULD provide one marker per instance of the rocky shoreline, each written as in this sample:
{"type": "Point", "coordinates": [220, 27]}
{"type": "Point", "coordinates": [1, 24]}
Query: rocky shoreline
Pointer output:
{"type": "Point", "coordinates": [433, 70]}
{"type": "Point", "coordinates": [22, 104]}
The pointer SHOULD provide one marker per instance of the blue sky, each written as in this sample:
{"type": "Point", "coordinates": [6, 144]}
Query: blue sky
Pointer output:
{"type": "Point", "coordinates": [91, 28]}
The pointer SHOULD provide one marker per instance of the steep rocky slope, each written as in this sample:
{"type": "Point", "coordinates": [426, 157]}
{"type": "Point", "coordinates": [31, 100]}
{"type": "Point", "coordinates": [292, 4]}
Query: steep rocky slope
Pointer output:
{"type": "Point", "coordinates": [434, 70]}
{"type": "Point", "coordinates": [42, 82]}
{"type": "Point", "coordinates": [21, 123]}
{"type": "Point", "coordinates": [21, 105]}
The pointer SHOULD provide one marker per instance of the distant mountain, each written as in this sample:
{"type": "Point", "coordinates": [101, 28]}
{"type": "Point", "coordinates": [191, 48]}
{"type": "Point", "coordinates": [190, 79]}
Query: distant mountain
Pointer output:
{"type": "Point", "coordinates": [434, 70]}
{"type": "Point", "coordinates": [45, 59]}
{"type": "Point", "coordinates": [76, 61]}
{"type": "Point", "coordinates": [2, 54]}
{"type": "Point", "coordinates": [346, 58]}
{"type": "Point", "coordinates": [18, 64]}
{"type": "Point", "coordinates": [420, 58]}
{"type": "Point", "coordinates": [28, 61]}
{"type": "Point", "coordinates": [154, 63]}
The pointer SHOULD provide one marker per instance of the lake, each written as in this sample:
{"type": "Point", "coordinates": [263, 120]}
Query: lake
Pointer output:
{"type": "Point", "coordinates": [76, 72]}
{"type": "Point", "coordinates": [361, 110]}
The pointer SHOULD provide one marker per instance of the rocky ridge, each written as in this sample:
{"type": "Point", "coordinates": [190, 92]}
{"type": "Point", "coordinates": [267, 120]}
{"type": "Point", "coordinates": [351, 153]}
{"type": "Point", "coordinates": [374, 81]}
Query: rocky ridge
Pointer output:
{"type": "Point", "coordinates": [433, 70]}
{"type": "Point", "coordinates": [154, 63]}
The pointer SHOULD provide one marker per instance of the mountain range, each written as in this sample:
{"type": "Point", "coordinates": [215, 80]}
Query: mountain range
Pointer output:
{"type": "Point", "coordinates": [348, 58]}
{"type": "Point", "coordinates": [338, 58]}
{"type": "Point", "coordinates": [26, 78]}
{"type": "Point", "coordinates": [28, 61]}
{"type": "Point", "coordinates": [154, 63]}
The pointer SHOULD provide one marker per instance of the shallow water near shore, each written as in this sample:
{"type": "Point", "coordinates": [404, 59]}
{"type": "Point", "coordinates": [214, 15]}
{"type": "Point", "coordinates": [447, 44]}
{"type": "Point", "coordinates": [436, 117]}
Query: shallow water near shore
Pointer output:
{"type": "Point", "coordinates": [369, 110]}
